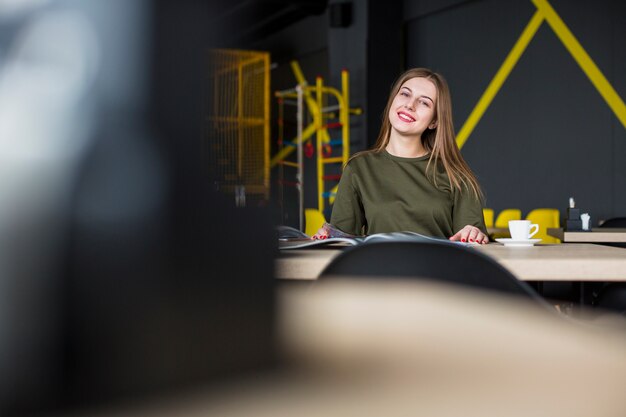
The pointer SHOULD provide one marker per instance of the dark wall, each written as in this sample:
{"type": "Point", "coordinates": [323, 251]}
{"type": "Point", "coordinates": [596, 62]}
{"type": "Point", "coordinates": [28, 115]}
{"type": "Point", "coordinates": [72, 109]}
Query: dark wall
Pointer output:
{"type": "Point", "coordinates": [548, 134]}
{"type": "Point", "coordinates": [385, 60]}
{"type": "Point", "coordinates": [349, 48]}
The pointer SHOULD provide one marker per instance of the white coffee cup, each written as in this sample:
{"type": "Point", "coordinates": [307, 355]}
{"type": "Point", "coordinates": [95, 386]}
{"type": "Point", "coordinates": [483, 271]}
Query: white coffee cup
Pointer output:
{"type": "Point", "coordinates": [521, 229]}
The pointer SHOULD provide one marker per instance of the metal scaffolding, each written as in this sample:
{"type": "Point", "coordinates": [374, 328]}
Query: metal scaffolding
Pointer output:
{"type": "Point", "coordinates": [238, 118]}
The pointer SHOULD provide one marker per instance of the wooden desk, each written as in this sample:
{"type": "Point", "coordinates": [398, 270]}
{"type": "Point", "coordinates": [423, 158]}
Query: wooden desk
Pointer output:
{"type": "Point", "coordinates": [601, 235]}
{"type": "Point", "coordinates": [564, 262]}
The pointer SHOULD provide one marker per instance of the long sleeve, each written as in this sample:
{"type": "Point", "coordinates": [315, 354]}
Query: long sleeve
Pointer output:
{"type": "Point", "coordinates": [348, 215]}
{"type": "Point", "coordinates": [380, 193]}
{"type": "Point", "coordinates": [467, 210]}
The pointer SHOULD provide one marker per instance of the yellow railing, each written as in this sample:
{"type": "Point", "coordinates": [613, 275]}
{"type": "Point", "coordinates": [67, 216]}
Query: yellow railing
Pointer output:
{"type": "Point", "coordinates": [238, 120]}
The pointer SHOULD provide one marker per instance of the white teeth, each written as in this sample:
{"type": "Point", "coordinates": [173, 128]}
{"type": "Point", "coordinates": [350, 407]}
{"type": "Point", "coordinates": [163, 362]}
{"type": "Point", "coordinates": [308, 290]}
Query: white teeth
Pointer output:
{"type": "Point", "coordinates": [405, 117]}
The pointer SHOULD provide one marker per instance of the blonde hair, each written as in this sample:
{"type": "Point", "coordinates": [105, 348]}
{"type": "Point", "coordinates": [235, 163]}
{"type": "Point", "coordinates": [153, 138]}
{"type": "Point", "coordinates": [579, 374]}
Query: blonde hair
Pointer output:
{"type": "Point", "coordinates": [440, 141]}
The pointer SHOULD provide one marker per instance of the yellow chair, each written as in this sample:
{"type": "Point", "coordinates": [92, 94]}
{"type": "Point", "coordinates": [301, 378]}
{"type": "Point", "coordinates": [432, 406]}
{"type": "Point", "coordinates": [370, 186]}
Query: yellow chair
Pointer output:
{"type": "Point", "coordinates": [313, 220]}
{"type": "Point", "coordinates": [502, 221]}
{"type": "Point", "coordinates": [508, 214]}
{"type": "Point", "coordinates": [488, 216]}
{"type": "Point", "coordinates": [545, 218]}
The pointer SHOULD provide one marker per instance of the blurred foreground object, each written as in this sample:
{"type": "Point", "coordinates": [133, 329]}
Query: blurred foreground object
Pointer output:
{"type": "Point", "coordinates": [46, 116]}
{"type": "Point", "coordinates": [113, 287]}
{"type": "Point", "coordinates": [398, 348]}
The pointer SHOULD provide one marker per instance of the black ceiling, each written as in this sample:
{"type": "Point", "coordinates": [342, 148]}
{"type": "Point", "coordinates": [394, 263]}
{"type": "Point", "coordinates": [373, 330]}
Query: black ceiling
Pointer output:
{"type": "Point", "coordinates": [237, 22]}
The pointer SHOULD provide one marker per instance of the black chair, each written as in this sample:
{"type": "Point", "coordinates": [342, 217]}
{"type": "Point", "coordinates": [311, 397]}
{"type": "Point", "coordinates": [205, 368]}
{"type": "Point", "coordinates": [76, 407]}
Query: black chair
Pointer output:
{"type": "Point", "coordinates": [615, 222]}
{"type": "Point", "coordinates": [612, 297]}
{"type": "Point", "coordinates": [438, 261]}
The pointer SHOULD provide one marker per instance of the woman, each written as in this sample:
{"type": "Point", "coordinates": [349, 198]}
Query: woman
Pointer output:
{"type": "Point", "coordinates": [414, 178]}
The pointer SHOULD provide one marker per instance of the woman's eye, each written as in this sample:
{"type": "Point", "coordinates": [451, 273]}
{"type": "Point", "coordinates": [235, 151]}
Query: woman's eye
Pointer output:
{"type": "Point", "coordinates": [404, 93]}
{"type": "Point", "coordinates": [424, 103]}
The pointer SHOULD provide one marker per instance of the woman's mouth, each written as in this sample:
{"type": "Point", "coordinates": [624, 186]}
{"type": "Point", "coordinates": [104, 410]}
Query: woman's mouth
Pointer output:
{"type": "Point", "coordinates": [405, 117]}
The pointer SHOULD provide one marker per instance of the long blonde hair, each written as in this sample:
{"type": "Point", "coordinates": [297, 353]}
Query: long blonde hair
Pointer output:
{"type": "Point", "coordinates": [440, 141]}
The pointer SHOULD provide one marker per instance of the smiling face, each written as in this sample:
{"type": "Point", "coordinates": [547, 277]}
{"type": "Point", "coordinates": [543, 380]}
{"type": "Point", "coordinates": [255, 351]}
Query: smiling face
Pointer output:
{"type": "Point", "coordinates": [413, 108]}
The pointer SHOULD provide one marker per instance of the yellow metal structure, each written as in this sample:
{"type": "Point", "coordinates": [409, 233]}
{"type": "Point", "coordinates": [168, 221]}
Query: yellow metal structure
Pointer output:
{"type": "Point", "coordinates": [239, 120]}
{"type": "Point", "coordinates": [546, 13]}
{"type": "Point", "coordinates": [323, 137]}
{"type": "Point", "coordinates": [329, 151]}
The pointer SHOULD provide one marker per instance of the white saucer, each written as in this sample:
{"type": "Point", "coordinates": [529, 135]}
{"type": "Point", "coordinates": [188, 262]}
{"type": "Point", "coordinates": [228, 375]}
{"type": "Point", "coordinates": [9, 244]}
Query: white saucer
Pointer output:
{"type": "Point", "coordinates": [518, 243]}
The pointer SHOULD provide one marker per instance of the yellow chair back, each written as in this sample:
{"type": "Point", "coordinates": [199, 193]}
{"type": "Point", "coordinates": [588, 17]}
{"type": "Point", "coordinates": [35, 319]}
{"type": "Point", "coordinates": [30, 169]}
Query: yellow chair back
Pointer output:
{"type": "Point", "coordinates": [313, 220]}
{"type": "Point", "coordinates": [508, 214]}
{"type": "Point", "coordinates": [502, 221]}
{"type": "Point", "coordinates": [545, 218]}
{"type": "Point", "coordinates": [488, 215]}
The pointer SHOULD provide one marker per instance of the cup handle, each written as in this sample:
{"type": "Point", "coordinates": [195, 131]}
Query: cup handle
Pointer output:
{"type": "Point", "coordinates": [536, 226]}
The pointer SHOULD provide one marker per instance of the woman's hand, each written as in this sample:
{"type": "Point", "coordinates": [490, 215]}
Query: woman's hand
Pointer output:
{"type": "Point", "coordinates": [322, 233]}
{"type": "Point", "coordinates": [471, 234]}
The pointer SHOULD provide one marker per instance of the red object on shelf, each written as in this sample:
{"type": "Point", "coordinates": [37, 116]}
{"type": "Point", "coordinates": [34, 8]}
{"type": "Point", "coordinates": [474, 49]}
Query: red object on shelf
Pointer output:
{"type": "Point", "coordinates": [308, 150]}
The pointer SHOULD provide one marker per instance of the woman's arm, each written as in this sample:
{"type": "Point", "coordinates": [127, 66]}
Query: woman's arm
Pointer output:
{"type": "Point", "coordinates": [348, 215]}
{"type": "Point", "coordinates": [467, 218]}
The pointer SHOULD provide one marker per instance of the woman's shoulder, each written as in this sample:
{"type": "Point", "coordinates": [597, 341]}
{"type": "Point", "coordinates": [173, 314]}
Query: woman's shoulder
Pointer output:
{"type": "Point", "coordinates": [363, 158]}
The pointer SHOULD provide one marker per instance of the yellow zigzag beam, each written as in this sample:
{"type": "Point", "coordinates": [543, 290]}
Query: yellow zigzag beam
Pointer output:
{"type": "Point", "coordinates": [547, 13]}
{"type": "Point", "coordinates": [311, 128]}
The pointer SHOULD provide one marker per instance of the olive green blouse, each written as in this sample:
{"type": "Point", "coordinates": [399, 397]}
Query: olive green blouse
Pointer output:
{"type": "Point", "coordinates": [379, 192]}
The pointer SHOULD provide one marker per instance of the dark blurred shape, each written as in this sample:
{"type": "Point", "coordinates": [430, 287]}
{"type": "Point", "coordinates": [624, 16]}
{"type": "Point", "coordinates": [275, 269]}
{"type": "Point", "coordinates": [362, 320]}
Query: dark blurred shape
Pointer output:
{"type": "Point", "coordinates": [442, 262]}
{"type": "Point", "coordinates": [177, 296]}
{"type": "Point", "coordinates": [340, 15]}
{"type": "Point", "coordinates": [154, 283]}
{"type": "Point", "coordinates": [612, 297]}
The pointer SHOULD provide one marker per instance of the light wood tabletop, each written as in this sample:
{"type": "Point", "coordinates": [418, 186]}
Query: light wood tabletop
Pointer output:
{"type": "Point", "coordinates": [600, 235]}
{"type": "Point", "coordinates": [559, 262]}
{"type": "Point", "coordinates": [414, 348]}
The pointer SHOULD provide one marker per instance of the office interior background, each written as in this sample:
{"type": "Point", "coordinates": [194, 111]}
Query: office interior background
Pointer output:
{"type": "Point", "coordinates": [547, 134]}
{"type": "Point", "coordinates": [112, 175]}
